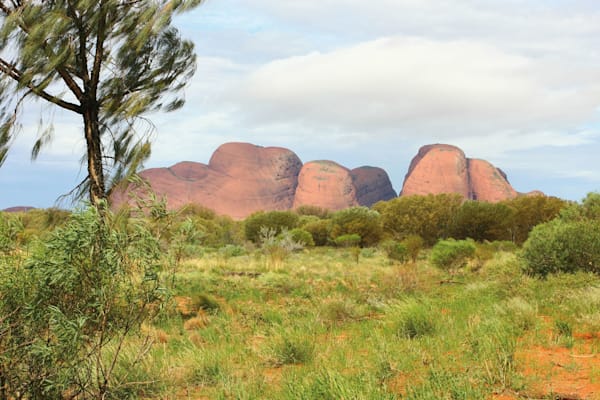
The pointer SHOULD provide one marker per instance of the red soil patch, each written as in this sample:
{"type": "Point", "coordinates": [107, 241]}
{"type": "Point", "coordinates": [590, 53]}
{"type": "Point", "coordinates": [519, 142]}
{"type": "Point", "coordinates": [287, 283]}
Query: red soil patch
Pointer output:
{"type": "Point", "coordinates": [560, 373]}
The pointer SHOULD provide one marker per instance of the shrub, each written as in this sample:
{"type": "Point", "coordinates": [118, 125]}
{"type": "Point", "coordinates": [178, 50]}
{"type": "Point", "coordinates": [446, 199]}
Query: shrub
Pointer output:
{"type": "Point", "coordinates": [277, 247]}
{"type": "Point", "coordinates": [83, 292]}
{"type": "Point", "coordinates": [292, 348]}
{"type": "Point", "coordinates": [480, 220]}
{"type": "Point", "coordinates": [231, 250]}
{"type": "Point", "coordinates": [395, 250]}
{"type": "Point", "coordinates": [530, 211]}
{"type": "Point", "coordinates": [452, 254]}
{"type": "Point", "coordinates": [319, 230]}
{"type": "Point", "coordinates": [427, 216]}
{"type": "Point", "coordinates": [351, 240]}
{"type": "Point", "coordinates": [319, 212]}
{"type": "Point", "coordinates": [358, 220]}
{"type": "Point", "coordinates": [414, 319]}
{"type": "Point", "coordinates": [301, 236]}
{"type": "Point", "coordinates": [10, 229]}
{"type": "Point", "coordinates": [275, 220]}
{"type": "Point", "coordinates": [560, 246]}
{"type": "Point", "coordinates": [414, 244]}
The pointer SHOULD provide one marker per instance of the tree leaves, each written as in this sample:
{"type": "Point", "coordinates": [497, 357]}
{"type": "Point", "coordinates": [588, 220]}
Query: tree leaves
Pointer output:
{"type": "Point", "coordinates": [114, 60]}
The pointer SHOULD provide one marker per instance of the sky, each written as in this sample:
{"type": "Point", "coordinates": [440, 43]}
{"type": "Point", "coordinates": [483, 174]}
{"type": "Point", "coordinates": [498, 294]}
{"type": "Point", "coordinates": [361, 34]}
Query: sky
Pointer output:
{"type": "Point", "coordinates": [515, 82]}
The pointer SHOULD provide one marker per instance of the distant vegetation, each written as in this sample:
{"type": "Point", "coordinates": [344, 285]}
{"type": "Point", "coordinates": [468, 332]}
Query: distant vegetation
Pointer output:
{"type": "Point", "coordinates": [420, 297]}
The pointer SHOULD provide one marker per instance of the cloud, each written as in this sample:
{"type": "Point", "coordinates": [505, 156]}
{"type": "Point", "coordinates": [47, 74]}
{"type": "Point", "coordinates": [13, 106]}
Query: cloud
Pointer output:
{"type": "Point", "coordinates": [415, 87]}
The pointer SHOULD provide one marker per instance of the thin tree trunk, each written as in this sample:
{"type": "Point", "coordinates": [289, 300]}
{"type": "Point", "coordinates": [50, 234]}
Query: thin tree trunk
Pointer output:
{"type": "Point", "coordinates": [94, 154]}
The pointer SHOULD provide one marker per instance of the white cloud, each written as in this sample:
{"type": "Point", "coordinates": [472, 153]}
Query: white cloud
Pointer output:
{"type": "Point", "coordinates": [419, 87]}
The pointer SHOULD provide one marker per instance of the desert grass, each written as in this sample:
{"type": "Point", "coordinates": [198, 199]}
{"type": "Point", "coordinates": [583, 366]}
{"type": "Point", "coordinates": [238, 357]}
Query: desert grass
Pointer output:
{"type": "Point", "coordinates": [322, 326]}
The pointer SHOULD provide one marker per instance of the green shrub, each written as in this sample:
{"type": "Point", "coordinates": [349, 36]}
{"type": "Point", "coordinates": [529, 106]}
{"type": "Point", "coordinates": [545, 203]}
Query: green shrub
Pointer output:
{"type": "Point", "coordinates": [231, 250]}
{"type": "Point", "coordinates": [414, 319]}
{"type": "Point", "coordinates": [414, 244]}
{"type": "Point", "coordinates": [559, 246]}
{"type": "Point", "coordinates": [291, 348]}
{"type": "Point", "coordinates": [301, 236]}
{"type": "Point", "coordinates": [84, 291]}
{"type": "Point", "coordinates": [276, 220]}
{"type": "Point", "coordinates": [358, 220]}
{"type": "Point", "coordinates": [395, 250]}
{"type": "Point", "coordinates": [319, 212]}
{"type": "Point", "coordinates": [11, 228]}
{"type": "Point", "coordinates": [452, 254]}
{"type": "Point", "coordinates": [429, 217]}
{"type": "Point", "coordinates": [351, 240]}
{"type": "Point", "coordinates": [319, 230]}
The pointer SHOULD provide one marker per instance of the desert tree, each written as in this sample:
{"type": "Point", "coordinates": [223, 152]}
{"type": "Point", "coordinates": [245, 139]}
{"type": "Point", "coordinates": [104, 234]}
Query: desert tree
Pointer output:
{"type": "Point", "coordinates": [111, 62]}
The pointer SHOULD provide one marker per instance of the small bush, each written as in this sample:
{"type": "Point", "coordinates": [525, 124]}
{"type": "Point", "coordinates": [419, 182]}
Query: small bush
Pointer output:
{"type": "Point", "coordinates": [413, 244]}
{"type": "Point", "coordinates": [232, 250]}
{"type": "Point", "coordinates": [316, 211]}
{"type": "Point", "coordinates": [319, 230]}
{"type": "Point", "coordinates": [291, 348]}
{"type": "Point", "coordinates": [278, 247]}
{"type": "Point", "coordinates": [350, 240]}
{"type": "Point", "coordinates": [559, 246]}
{"type": "Point", "coordinates": [452, 254]}
{"type": "Point", "coordinates": [10, 229]}
{"type": "Point", "coordinates": [395, 250]}
{"type": "Point", "coordinates": [301, 236]}
{"type": "Point", "coordinates": [360, 221]}
{"type": "Point", "coordinates": [414, 319]}
{"type": "Point", "coordinates": [275, 220]}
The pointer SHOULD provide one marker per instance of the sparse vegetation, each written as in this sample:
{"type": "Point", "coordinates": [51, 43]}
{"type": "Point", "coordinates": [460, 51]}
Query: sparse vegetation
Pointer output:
{"type": "Point", "coordinates": [281, 320]}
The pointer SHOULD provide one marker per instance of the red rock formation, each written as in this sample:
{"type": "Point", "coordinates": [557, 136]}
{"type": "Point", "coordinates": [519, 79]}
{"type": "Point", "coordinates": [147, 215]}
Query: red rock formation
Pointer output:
{"type": "Point", "coordinates": [442, 168]}
{"type": "Point", "coordinates": [372, 184]}
{"type": "Point", "coordinates": [240, 179]}
{"type": "Point", "coordinates": [438, 168]}
{"type": "Point", "coordinates": [325, 184]}
{"type": "Point", "coordinates": [488, 183]}
{"type": "Point", "coordinates": [18, 209]}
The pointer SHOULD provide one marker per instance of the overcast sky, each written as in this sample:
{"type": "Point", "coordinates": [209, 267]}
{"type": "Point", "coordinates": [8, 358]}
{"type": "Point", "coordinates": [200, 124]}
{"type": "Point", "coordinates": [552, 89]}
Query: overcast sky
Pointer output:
{"type": "Point", "coordinates": [516, 82]}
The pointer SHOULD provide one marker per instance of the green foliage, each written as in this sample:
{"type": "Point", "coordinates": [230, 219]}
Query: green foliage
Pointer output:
{"type": "Point", "coordinates": [349, 240]}
{"type": "Point", "coordinates": [358, 220]}
{"type": "Point", "coordinates": [320, 231]}
{"type": "Point", "coordinates": [83, 292]}
{"type": "Point", "coordinates": [429, 217]}
{"type": "Point", "coordinates": [414, 244]}
{"type": "Point", "coordinates": [452, 254]}
{"type": "Point", "coordinates": [395, 250]}
{"type": "Point", "coordinates": [326, 384]}
{"type": "Point", "coordinates": [321, 213]}
{"type": "Point", "coordinates": [301, 236]}
{"type": "Point", "coordinates": [414, 319]}
{"type": "Point", "coordinates": [480, 220]}
{"type": "Point", "coordinates": [232, 250]}
{"type": "Point", "coordinates": [277, 247]}
{"type": "Point", "coordinates": [529, 211]}
{"type": "Point", "coordinates": [559, 246]}
{"type": "Point", "coordinates": [273, 220]}
{"type": "Point", "coordinates": [10, 229]}
{"type": "Point", "coordinates": [107, 62]}
{"type": "Point", "coordinates": [291, 347]}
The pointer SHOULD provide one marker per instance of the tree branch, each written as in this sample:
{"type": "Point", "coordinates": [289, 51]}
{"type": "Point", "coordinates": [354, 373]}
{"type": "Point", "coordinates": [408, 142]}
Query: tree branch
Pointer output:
{"type": "Point", "coordinates": [12, 71]}
{"type": "Point", "coordinates": [62, 71]}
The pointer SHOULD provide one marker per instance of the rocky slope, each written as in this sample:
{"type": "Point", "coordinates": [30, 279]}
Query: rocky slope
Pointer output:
{"type": "Point", "coordinates": [242, 178]}
{"type": "Point", "coordinates": [325, 184]}
{"type": "Point", "coordinates": [372, 185]}
{"type": "Point", "coordinates": [442, 168]}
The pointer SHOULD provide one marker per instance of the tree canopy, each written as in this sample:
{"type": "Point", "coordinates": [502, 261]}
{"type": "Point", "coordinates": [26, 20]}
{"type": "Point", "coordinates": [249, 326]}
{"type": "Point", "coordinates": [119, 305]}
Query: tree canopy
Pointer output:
{"type": "Point", "coordinates": [109, 61]}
